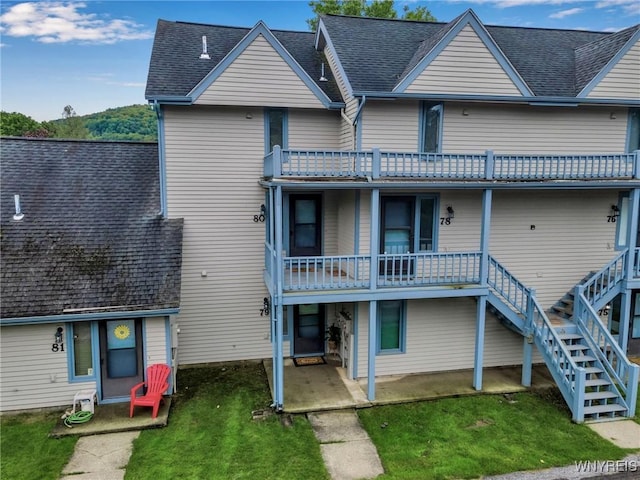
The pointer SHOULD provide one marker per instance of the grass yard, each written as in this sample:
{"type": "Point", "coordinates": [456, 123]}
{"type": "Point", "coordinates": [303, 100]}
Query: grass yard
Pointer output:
{"type": "Point", "coordinates": [211, 434]}
{"type": "Point", "coordinates": [26, 451]}
{"type": "Point", "coordinates": [484, 435]}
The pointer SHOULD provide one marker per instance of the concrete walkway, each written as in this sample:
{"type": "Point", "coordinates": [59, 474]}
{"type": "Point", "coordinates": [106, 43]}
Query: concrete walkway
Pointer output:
{"type": "Point", "coordinates": [100, 457]}
{"type": "Point", "coordinates": [347, 450]}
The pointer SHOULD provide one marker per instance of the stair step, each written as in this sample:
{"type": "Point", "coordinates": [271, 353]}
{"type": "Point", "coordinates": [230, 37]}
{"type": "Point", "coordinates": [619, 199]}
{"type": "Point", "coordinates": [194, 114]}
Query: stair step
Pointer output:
{"type": "Point", "coordinates": [574, 347]}
{"type": "Point", "coordinates": [593, 370]}
{"type": "Point", "coordinates": [583, 358]}
{"type": "Point", "coordinates": [568, 309]}
{"type": "Point", "coordinates": [570, 336]}
{"type": "Point", "coordinates": [597, 382]}
{"type": "Point", "coordinates": [603, 395]}
{"type": "Point", "coordinates": [610, 408]}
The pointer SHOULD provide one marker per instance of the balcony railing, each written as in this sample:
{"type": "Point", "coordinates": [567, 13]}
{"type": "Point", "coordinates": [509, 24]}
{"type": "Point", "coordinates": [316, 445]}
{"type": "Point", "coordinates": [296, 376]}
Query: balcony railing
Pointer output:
{"type": "Point", "coordinates": [401, 270]}
{"type": "Point", "coordinates": [377, 164]}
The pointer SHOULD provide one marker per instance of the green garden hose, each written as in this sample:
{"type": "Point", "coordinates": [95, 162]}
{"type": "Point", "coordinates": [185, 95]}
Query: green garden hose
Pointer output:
{"type": "Point", "coordinates": [78, 418]}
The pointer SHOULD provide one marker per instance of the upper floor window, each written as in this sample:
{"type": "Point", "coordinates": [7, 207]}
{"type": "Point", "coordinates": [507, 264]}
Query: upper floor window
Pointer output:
{"type": "Point", "coordinates": [275, 126]}
{"type": "Point", "coordinates": [430, 127]}
{"type": "Point", "coordinates": [633, 133]}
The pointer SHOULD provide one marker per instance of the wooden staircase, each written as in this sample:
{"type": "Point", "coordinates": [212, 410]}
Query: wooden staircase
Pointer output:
{"type": "Point", "coordinates": [593, 374]}
{"type": "Point", "coordinates": [602, 400]}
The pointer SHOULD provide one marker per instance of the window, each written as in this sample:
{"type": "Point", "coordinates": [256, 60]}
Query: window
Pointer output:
{"type": "Point", "coordinates": [430, 127]}
{"type": "Point", "coordinates": [275, 128]}
{"type": "Point", "coordinates": [401, 218]}
{"type": "Point", "coordinates": [633, 131]}
{"type": "Point", "coordinates": [81, 351]}
{"type": "Point", "coordinates": [391, 326]}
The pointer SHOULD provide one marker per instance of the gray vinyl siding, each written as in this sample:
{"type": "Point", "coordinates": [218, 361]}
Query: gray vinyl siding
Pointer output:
{"type": "Point", "coordinates": [331, 206]}
{"type": "Point", "coordinates": [365, 222]}
{"type": "Point", "coordinates": [213, 160]}
{"type": "Point", "coordinates": [155, 337]}
{"type": "Point", "coordinates": [465, 66]}
{"type": "Point", "coordinates": [440, 336]}
{"type": "Point", "coordinates": [390, 125]}
{"type": "Point", "coordinates": [346, 222]}
{"type": "Point", "coordinates": [571, 237]}
{"type": "Point", "coordinates": [259, 76]}
{"type": "Point", "coordinates": [516, 129]}
{"type": "Point", "coordinates": [501, 128]}
{"type": "Point", "coordinates": [623, 81]}
{"type": "Point", "coordinates": [32, 376]}
{"type": "Point", "coordinates": [313, 129]}
{"type": "Point", "coordinates": [463, 234]}
{"type": "Point", "coordinates": [347, 131]}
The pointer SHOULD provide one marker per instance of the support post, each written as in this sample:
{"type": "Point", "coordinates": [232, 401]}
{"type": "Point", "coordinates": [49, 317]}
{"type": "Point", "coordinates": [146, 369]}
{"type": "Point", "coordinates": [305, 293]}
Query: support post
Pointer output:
{"type": "Point", "coordinates": [489, 165]}
{"type": "Point", "coordinates": [371, 365]}
{"type": "Point", "coordinates": [632, 233]}
{"type": "Point", "coordinates": [479, 352]}
{"type": "Point", "coordinates": [485, 233]}
{"type": "Point", "coordinates": [374, 239]}
{"type": "Point", "coordinates": [279, 356]}
{"type": "Point", "coordinates": [375, 163]}
{"type": "Point", "coordinates": [527, 350]}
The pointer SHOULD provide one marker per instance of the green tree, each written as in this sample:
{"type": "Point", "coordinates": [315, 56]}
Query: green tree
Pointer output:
{"type": "Point", "coordinates": [71, 125]}
{"type": "Point", "coordinates": [364, 8]}
{"type": "Point", "coordinates": [16, 124]}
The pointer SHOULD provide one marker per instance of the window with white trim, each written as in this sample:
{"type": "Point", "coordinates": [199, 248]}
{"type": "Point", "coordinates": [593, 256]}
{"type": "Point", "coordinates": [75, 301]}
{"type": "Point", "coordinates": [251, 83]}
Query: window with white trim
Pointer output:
{"type": "Point", "coordinates": [81, 358]}
{"type": "Point", "coordinates": [431, 127]}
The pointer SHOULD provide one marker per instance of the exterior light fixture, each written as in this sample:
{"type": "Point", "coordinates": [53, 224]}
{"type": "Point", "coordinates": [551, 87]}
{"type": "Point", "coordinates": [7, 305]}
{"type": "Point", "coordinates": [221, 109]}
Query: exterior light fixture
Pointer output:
{"type": "Point", "coordinates": [58, 335]}
{"type": "Point", "coordinates": [450, 212]}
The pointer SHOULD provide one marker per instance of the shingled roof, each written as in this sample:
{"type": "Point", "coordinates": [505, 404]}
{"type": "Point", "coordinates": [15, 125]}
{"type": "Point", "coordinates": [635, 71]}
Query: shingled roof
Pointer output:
{"type": "Point", "coordinates": [376, 53]}
{"type": "Point", "coordinates": [91, 237]}
{"type": "Point", "coordinates": [176, 68]}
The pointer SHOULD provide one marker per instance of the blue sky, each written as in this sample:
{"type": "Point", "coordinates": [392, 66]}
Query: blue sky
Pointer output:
{"type": "Point", "coordinates": [94, 55]}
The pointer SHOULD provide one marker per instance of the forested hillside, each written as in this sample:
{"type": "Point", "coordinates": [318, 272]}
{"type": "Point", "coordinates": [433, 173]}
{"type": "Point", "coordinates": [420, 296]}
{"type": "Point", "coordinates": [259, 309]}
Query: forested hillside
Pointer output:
{"type": "Point", "coordinates": [132, 123]}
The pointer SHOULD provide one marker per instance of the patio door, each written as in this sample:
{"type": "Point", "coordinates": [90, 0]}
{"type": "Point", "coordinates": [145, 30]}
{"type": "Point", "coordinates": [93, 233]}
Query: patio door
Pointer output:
{"type": "Point", "coordinates": [121, 364]}
{"type": "Point", "coordinates": [397, 233]}
{"type": "Point", "coordinates": [308, 329]}
{"type": "Point", "coordinates": [305, 225]}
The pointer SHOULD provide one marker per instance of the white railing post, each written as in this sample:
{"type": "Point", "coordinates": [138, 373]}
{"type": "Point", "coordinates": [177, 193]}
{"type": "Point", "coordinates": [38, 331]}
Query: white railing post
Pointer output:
{"type": "Point", "coordinates": [277, 161]}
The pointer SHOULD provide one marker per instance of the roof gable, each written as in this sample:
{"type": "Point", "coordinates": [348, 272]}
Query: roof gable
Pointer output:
{"type": "Point", "coordinates": [452, 31]}
{"type": "Point", "coordinates": [228, 72]}
{"type": "Point", "coordinates": [597, 60]}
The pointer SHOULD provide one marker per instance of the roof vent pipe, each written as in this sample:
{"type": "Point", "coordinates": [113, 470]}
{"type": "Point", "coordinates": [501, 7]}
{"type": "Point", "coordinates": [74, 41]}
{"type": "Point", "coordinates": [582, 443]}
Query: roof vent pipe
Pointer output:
{"type": "Point", "coordinates": [204, 55]}
{"type": "Point", "coordinates": [18, 215]}
{"type": "Point", "coordinates": [322, 77]}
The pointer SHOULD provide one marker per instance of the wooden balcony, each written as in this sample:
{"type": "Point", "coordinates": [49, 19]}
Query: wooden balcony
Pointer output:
{"type": "Point", "coordinates": [397, 270]}
{"type": "Point", "coordinates": [376, 164]}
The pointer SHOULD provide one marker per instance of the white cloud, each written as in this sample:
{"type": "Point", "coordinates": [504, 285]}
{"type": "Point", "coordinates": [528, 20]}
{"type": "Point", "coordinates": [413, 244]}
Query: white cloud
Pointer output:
{"type": "Point", "coordinates": [58, 22]}
{"type": "Point", "coordinates": [630, 7]}
{"type": "Point", "coordinates": [566, 13]}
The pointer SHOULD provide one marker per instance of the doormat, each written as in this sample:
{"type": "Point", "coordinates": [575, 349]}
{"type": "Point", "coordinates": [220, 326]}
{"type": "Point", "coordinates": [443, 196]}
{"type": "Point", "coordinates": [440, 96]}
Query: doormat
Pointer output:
{"type": "Point", "coordinates": [304, 361]}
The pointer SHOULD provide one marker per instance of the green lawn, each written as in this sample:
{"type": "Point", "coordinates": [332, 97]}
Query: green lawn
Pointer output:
{"type": "Point", "coordinates": [26, 451]}
{"type": "Point", "coordinates": [483, 435]}
{"type": "Point", "coordinates": [211, 434]}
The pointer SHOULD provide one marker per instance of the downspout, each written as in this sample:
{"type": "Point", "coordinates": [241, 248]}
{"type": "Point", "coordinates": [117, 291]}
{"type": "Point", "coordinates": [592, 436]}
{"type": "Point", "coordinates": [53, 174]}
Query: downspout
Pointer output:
{"type": "Point", "coordinates": [353, 122]}
{"type": "Point", "coordinates": [162, 167]}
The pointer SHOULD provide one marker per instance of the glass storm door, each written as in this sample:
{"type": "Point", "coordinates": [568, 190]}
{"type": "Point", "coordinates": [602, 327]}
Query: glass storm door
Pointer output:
{"type": "Point", "coordinates": [308, 329]}
{"type": "Point", "coordinates": [305, 225]}
{"type": "Point", "coordinates": [120, 356]}
{"type": "Point", "coordinates": [397, 233]}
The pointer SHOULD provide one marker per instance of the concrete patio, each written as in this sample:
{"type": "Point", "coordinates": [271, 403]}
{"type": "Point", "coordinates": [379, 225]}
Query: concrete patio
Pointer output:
{"type": "Point", "coordinates": [114, 418]}
{"type": "Point", "coordinates": [316, 388]}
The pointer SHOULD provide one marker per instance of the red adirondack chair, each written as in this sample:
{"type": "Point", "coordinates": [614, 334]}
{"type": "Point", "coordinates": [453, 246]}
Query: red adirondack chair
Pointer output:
{"type": "Point", "coordinates": [156, 384]}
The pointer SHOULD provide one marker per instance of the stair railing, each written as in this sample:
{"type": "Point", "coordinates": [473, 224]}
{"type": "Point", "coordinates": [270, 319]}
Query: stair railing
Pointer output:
{"type": "Point", "coordinates": [605, 280]}
{"type": "Point", "coordinates": [624, 373]}
{"type": "Point", "coordinates": [508, 286]}
{"type": "Point", "coordinates": [569, 377]}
